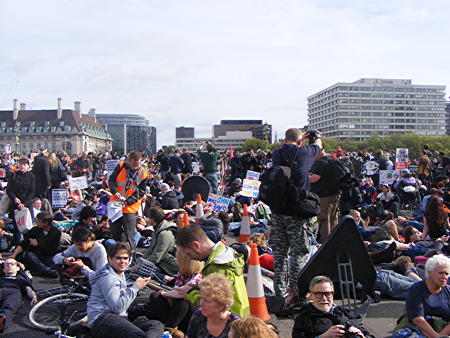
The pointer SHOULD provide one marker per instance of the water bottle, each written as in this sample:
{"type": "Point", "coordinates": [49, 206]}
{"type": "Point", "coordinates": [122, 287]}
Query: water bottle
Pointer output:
{"type": "Point", "coordinates": [166, 334]}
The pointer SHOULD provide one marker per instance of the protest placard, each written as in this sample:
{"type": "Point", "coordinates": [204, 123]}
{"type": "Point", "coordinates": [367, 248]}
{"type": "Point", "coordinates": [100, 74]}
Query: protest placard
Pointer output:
{"type": "Point", "coordinates": [78, 183]}
{"type": "Point", "coordinates": [250, 188]}
{"type": "Point", "coordinates": [401, 158]}
{"type": "Point", "coordinates": [2, 173]}
{"type": "Point", "coordinates": [110, 166]}
{"type": "Point", "coordinates": [389, 176]}
{"type": "Point", "coordinates": [371, 168]}
{"type": "Point", "coordinates": [217, 203]}
{"type": "Point", "coordinates": [252, 175]}
{"type": "Point", "coordinates": [59, 198]}
{"type": "Point", "coordinates": [7, 148]}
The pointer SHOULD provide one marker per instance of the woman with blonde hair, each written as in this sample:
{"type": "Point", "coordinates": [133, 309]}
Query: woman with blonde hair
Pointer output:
{"type": "Point", "coordinates": [57, 172]}
{"type": "Point", "coordinates": [251, 327]}
{"type": "Point", "coordinates": [214, 317]}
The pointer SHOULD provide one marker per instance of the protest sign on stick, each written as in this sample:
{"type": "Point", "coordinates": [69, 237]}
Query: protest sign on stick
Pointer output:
{"type": "Point", "coordinates": [401, 158]}
{"type": "Point", "coordinates": [59, 198]}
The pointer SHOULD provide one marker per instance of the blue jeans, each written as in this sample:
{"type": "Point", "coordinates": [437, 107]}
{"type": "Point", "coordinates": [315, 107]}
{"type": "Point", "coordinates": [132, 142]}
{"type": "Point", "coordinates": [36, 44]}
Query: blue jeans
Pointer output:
{"type": "Point", "coordinates": [415, 224]}
{"type": "Point", "coordinates": [213, 181]}
{"type": "Point", "coordinates": [393, 284]}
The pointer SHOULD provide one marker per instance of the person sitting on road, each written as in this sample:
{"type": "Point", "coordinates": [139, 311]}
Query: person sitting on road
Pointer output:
{"type": "Point", "coordinates": [167, 199]}
{"type": "Point", "coordinates": [214, 317]}
{"type": "Point", "coordinates": [387, 200]}
{"type": "Point", "coordinates": [84, 246]}
{"type": "Point", "coordinates": [251, 327]}
{"type": "Point", "coordinates": [428, 302]}
{"type": "Point", "coordinates": [110, 299]}
{"type": "Point", "coordinates": [13, 286]}
{"type": "Point", "coordinates": [436, 221]}
{"type": "Point", "coordinates": [321, 317]}
{"type": "Point", "coordinates": [39, 246]}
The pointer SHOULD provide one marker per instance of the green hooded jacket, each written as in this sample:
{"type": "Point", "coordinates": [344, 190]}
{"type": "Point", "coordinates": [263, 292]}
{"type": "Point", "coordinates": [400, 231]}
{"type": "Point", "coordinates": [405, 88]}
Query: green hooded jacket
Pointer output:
{"type": "Point", "coordinates": [228, 262]}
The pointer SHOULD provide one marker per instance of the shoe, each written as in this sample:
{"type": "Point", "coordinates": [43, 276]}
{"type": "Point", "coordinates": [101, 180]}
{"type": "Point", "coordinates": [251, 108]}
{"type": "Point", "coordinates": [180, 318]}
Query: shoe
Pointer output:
{"type": "Point", "coordinates": [2, 322]}
{"type": "Point", "coordinates": [175, 333]}
{"type": "Point", "coordinates": [383, 256]}
{"type": "Point", "coordinates": [51, 274]}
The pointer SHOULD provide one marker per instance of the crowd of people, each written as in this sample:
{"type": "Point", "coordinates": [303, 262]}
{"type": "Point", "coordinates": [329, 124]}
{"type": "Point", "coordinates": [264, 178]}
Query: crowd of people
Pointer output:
{"type": "Point", "coordinates": [139, 211]}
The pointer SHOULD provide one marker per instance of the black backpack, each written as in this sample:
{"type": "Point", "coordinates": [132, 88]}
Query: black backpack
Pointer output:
{"type": "Point", "coordinates": [280, 193]}
{"type": "Point", "coordinates": [338, 172]}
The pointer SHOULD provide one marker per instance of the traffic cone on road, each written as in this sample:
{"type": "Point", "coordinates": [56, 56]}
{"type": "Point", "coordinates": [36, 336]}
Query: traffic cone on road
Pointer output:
{"type": "Point", "coordinates": [244, 232]}
{"type": "Point", "coordinates": [255, 287]}
{"type": "Point", "coordinates": [199, 207]}
{"type": "Point", "coordinates": [185, 219]}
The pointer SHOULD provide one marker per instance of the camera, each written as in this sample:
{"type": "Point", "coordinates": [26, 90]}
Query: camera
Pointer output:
{"type": "Point", "coordinates": [349, 334]}
{"type": "Point", "coordinates": [313, 135]}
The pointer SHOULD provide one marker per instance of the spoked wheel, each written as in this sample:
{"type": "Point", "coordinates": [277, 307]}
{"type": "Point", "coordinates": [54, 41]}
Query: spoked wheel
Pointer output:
{"type": "Point", "coordinates": [55, 311]}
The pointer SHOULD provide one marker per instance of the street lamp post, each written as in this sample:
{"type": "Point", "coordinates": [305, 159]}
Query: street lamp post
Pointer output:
{"type": "Point", "coordinates": [266, 133]}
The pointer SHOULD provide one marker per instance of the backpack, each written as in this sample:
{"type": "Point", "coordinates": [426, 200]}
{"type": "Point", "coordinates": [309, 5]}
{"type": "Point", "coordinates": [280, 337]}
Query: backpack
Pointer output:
{"type": "Point", "coordinates": [280, 193]}
{"type": "Point", "coordinates": [261, 212]}
{"type": "Point", "coordinates": [338, 172]}
{"type": "Point", "coordinates": [237, 212]}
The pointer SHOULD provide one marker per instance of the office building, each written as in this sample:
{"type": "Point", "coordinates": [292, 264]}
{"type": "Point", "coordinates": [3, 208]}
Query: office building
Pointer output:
{"type": "Point", "coordinates": [25, 131]}
{"type": "Point", "coordinates": [383, 107]}
{"type": "Point", "coordinates": [184, 132]}
{"type": "Point", "coordinates": [129, 132]}
{"type": "Point", "coordinates": [256, 127]}
{"type": "Point", "coordinates": [222, 143]}
{"type": "Point", "coordinates": [447, 117]}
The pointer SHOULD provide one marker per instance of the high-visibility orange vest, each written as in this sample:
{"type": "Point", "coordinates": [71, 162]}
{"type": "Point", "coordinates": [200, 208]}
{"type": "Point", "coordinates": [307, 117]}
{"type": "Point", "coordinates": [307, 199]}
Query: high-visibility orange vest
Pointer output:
{"type": "Point", "coordinates": [132, 189]}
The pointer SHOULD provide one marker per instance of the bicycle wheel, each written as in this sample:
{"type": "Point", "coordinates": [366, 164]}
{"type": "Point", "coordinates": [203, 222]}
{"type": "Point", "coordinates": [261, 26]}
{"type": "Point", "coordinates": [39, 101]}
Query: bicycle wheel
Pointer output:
{"type": "Point", "coordinates": [51, 312]}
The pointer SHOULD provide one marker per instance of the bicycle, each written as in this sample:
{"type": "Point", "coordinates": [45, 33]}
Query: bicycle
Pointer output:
{"type": "Point", "coordinates": [62, 308]}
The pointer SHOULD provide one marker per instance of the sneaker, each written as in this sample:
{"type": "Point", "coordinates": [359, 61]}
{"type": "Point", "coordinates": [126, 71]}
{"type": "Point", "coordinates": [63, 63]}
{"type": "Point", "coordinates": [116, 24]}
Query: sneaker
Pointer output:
{"type": "Point", "coordinates": [175, 333]}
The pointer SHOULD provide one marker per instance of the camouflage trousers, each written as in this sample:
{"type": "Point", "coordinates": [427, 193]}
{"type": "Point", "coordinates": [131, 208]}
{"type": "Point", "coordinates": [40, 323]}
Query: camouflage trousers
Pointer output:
{"type": "Point", "coordinates": [289, 236]}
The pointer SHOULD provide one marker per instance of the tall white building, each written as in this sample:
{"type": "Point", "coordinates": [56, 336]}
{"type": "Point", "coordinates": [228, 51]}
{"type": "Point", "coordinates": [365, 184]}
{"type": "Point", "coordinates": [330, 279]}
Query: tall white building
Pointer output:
{"type": "Point", "coordinates": [365, 107]}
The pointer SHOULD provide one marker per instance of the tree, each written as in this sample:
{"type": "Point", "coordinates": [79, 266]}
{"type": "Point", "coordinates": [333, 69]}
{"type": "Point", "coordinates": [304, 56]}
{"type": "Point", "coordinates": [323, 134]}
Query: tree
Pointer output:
{"type": "Point", "coordinates": [168, 150]}
{"type": "Point", "coordinates": [255, 144]}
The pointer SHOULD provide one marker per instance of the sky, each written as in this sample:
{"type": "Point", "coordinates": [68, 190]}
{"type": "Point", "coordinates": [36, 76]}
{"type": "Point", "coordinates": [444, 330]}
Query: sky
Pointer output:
{"type": "Point", "coordinates": [195, 62]}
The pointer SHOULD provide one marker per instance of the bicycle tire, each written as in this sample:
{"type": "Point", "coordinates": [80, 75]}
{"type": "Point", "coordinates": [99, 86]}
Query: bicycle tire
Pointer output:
{"type": "Point", "coordinates": [45, 315]}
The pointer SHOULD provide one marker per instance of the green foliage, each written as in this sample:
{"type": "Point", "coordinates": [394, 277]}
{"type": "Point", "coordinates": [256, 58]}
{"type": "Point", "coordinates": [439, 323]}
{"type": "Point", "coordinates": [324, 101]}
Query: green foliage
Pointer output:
{"type": "Point", "coordinates": [254, 144]}
{"type": "Point", "coordinates": [168, 150]}
{"type": "Point", "coordinates": [413, 142]}
{"type": "Point", "coordinates": [275, 145]}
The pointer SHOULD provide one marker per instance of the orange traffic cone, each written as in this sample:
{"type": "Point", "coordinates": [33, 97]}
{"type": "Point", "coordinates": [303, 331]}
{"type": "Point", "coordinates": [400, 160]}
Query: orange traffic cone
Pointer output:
{"type": "Point", "coordinates": [244, 232]}
{"type": "Point", "coordinates": [255, 288]}
{"type": "Point", "coordinates": [185, 219]}
{"type": "Point", "coordinates": [199, 207]}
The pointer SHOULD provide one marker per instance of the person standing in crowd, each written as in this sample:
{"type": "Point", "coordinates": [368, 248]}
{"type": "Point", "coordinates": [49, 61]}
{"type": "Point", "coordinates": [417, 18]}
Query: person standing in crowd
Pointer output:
{"type": "Point", "coordinates": [248, 162]}
{"type": "Point", "coordinates": [81, 165]}
{"type": "Point", "coordinates": [209, 162]}
{"type": "Point", "coordinates": [176, 167]}
{"type": "Point", "coordinates": [110, 299]}
{"type": "Point", "coordinates": [290, 233]}
{"type": "Point", "coordinates": [57, 172]}
{"type": "Point", "coordinates": [41, 170]}
{"type": "Point", "coordinates": [424, 168]}
{"type": "Point", "coordinates": [127, 184]}
{"type": "Point", "coordinates": [164, 165]}
{"type": "Point", "coordinates": [187, 159]}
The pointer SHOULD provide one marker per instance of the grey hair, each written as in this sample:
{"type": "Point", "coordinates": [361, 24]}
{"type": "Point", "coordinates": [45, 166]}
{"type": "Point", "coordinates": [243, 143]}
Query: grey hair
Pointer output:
{"type": "Point", "coordinates": [435, 261]}
{"type": "Point", "coordinates": [320, 279]}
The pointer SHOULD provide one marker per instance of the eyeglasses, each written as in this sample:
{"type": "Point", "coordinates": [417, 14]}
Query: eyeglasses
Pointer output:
{"type": "Point", "coordinates": [319, 294]}
{"type": "Point", "coordinates": [121, 258]}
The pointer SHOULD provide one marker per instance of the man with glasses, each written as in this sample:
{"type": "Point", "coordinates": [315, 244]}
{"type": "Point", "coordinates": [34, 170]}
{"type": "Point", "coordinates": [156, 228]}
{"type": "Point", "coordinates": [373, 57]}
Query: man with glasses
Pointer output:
{"type": "Point", "coordinates": [127, 183]}
{"type": "Point", "coordinates": [12, 287]}
{"type": "Point", "coordinates": [111, 297]}
{"type": "Point", "coordinates": [321, 317]}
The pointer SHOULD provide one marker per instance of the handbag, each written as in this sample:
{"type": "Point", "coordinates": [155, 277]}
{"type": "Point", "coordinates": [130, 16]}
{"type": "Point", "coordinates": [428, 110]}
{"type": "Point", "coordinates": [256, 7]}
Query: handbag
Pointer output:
{"type": "Point", "coordinates": [23, 219]}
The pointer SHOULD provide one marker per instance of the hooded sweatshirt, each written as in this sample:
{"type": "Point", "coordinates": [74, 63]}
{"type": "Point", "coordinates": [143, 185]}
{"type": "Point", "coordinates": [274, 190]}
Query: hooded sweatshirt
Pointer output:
{"type": "Point", "coordinates": [109, 294]}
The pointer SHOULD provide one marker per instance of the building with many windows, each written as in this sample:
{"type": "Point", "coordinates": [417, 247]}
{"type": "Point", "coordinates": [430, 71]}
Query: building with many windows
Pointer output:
{"type": "Point", "coordinates": [24, 131]}
{"type": "Point", "coordinates": [129, 132]}
{"type": "Point", "coordinates": [222, 143]}
{"type": "Point", "coordinates": [256, 127]}
{"type": "Point", "coordinates": [365, 107]}
{"type": "Point", "coordinates": [447, 118]}
{"type": "Point", "coordinates": [184, 132]}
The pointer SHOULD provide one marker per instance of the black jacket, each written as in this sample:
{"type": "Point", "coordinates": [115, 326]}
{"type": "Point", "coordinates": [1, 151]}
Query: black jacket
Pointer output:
{"type": "Point", "coordinates": [187, 159]}
{"type": "Point", "coordinates": [41, 171]}
{"type": "Point", "coordinates": [21, 186]}
{"type": "Point", "coordinates": [311, 322]}
{"type": "Point", "coordinates": [168, 201]}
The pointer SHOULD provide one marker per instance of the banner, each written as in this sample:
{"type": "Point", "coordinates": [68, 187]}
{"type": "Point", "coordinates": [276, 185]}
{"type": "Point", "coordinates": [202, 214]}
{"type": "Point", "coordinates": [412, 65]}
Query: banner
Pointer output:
{"type": "Point", "coordinates": [217, 203]}
{"type": "Point", "coordinates": [401, 158]}
{"type": "Point", "coordinates": [250, 188]}
{"type": "Point", "coordinates": [78, 183]}
{"type": "Point", "coordinates": [110, 166]}
{"type": "Point", "coordinates": [389, 176]}
{"type": "Point", "coordinates": [252, 175]}
{"type": "Point", "coordinates": [59, 198]}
